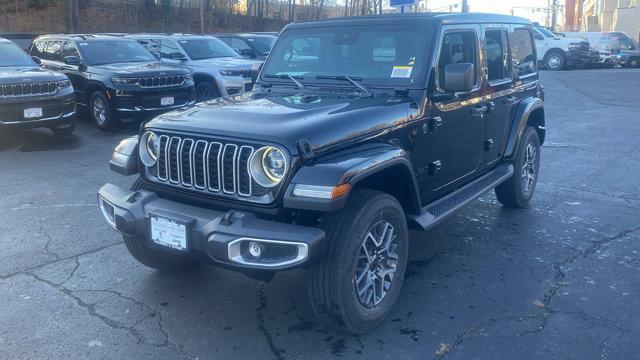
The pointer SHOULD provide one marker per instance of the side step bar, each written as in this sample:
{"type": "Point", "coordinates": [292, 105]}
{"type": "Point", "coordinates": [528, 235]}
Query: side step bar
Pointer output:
{"type": "Point", "coordinates": [439, 210]}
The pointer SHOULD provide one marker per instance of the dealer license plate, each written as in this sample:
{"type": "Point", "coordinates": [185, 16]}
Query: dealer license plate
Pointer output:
{"type": "Point", "coordinates": [32, 113]}
{"type": "Point", "coordinates": [169, 233]}
{"type": "Point", "coordinates": [166, 101]}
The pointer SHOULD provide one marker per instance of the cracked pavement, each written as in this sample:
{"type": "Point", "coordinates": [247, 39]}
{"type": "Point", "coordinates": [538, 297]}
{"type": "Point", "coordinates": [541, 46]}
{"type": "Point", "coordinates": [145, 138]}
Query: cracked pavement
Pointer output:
{"type": "Point", "coordinates": [559, 280]}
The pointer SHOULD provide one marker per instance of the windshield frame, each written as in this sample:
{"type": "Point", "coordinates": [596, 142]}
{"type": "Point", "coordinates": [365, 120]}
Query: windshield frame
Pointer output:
{"type": "Point", "coordinates": [83, 52]}
{"type": "Point", "coordinates": [29, 61]}
{"type": "Point", "coordinates": [179, 41]}
{"type": "Point", "coordinates": [419, 82]}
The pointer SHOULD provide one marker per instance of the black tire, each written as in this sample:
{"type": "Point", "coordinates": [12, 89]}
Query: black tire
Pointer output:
{"type": "Point", "coordinates": [205, 90]}
{"type": "Point", "coordinates": [101, 112]}
{"type": "Point", "coordinates": [332, 284]}
{"type": "Point", "coordinates": [65, 131]}
{"type": "Point", "coordinates": [633, 62]}
{"type": "Point", "coordinates": [555, 61]}
{"type": "Point", "coordinates": [156, 259]}
{"type": "Point", "coordinates": [513, 193]}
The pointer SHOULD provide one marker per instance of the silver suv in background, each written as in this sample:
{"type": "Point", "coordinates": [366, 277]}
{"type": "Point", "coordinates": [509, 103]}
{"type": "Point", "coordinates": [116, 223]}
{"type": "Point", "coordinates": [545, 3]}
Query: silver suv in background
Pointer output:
{"type": "Point", "coordinates": [217, 69]}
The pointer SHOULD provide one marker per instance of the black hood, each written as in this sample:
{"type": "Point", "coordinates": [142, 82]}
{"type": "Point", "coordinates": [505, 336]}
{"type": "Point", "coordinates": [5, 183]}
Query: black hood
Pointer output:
{"type": "Point", "coordinates": [28, 75]}
{"type": "Point", "coordinates": [324, 120]}
{"type": "Point", "coordinates": [137, 69]}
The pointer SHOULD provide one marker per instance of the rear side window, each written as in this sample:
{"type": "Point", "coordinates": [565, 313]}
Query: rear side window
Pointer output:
{"type": "Point", "coordinates": [458, 47]}
{"type": "Point", "coordinates": [38, 48]}
{"type": "Point", "coordinates": [239, 44]}
{"type": "Point", "coordinates": [168, 48]}
{"type": "Point", "coordinates": [498, 59]}
{"type": "Point", "coordinates": [53, 50]}
{"type": "Point", "coordinates": [152, 45]}
{"type": "Point", "coordinates": [524, 59]}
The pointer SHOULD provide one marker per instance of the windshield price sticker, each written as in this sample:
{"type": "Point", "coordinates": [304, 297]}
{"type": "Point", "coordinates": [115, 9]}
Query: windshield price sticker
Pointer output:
{"type": "Point", "coordinates": [401, 71]}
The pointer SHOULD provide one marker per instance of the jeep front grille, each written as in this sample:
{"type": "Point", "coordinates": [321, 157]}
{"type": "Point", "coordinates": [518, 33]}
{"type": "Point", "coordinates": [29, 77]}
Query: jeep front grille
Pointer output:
{"type": "Point", "coordinates": [154, 82]}
{"type": "Point", "coordinates": [33, 89]}
{"type": "Point", "coordinates": [210, 166]}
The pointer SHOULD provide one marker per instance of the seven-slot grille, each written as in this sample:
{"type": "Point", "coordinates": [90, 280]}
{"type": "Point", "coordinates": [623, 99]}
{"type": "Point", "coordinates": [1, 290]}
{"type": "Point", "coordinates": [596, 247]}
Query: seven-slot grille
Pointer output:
{"type": "Point", "coordinates": [204, 165]}
{"type": "Point", "coordinates": [33, 89]}
{"type": "Point", "coordinates": [153, 82]}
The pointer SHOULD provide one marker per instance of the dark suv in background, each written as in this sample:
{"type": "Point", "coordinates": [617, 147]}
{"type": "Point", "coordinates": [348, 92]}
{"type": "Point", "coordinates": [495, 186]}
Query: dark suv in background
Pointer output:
{"type": "Point", "coordinates": [251, 46]}
{"type": "Point", "coordinates": [32, 97]}
{"type": "Point", "coordinates": [115, 77]}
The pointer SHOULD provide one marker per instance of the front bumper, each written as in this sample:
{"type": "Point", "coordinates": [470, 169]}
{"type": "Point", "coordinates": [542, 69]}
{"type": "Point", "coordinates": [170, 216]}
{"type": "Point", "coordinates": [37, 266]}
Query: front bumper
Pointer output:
{"type": "Point", "coordinates": [214, 237]}
{"type": "Point", "coordinates": [149, 101]}
{"type": "Point", "coordinates": [578, 57]}
{"type": "Point", "coordinates": [57, 111]}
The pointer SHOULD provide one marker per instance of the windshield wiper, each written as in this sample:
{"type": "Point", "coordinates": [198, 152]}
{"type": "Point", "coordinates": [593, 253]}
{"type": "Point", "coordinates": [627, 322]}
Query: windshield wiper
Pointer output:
{"type": "Point", "coordinates": [353, 81]}
{"type": "Point", "coordinates": [287, 76]}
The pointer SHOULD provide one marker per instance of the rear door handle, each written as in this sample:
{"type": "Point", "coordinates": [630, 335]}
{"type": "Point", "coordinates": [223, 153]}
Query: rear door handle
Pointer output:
{"type": "Point", "coordinates": [510, 100]}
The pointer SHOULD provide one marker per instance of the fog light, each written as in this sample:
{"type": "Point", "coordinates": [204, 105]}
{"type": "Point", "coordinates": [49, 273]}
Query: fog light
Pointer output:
{"type": "Point", "coordinates": [255, 250]}
{"type": "Point", "coordinates": [108, 211]}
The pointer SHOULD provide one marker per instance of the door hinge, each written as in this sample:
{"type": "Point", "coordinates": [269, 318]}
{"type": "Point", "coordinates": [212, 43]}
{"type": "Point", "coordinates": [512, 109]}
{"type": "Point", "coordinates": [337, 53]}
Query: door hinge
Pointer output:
{"type": "Point", "coordinates": [434, 167]}
{"type": "Point", "coordinates": [488, 144]}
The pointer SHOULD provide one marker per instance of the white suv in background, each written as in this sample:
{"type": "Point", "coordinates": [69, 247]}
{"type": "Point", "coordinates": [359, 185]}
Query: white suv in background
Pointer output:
{"type": "Point", "coordinates": [558, 53]}
{"type": "Point", "coordinates": [217, 69]}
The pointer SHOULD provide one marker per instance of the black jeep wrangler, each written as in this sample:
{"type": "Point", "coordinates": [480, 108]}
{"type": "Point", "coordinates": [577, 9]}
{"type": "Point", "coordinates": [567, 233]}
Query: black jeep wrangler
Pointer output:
{"type": "Point", "coordinates": [31, 97]}
{"type": "Point", "coordinates": [359, 129]}
{"type": "Point", "coordinates": [115, 77]}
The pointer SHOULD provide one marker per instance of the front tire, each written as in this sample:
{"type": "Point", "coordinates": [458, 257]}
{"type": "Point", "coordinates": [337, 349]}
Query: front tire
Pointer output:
{"type": "Point", "coordinates": [633, 62]}
{"type": "Point", "coordinates": [65, 131]}
{"type": "Point", "coordinates": [156, 259]}
{"type": "Point", "coordinates": [555, 61]}
{"type": "Point", "coordinates": [356, 285]}
{"type": "Point", "coordinates": [205, 90]}
{"type": "Point", "coordinates": [101, 112]}
{"type": "Point", "coordinates": [517, 191]}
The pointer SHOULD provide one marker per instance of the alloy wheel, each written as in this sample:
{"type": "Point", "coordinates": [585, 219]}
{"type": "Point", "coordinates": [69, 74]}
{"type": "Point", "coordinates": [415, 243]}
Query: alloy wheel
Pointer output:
{"type": "Point", "coordinates": [377, 263]}
{"type": "Point", "coordinates": [203, 93]}
{"type": "Point", "coordinates": [529, 171]}
{"type": "Point", "coordinates": [99, 111]}
{"type": "Point", "coordinates": [554, 61]}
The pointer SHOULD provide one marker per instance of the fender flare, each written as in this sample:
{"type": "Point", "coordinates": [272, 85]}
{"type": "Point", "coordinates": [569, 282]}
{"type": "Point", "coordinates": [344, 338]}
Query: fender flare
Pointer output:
{"type": "Point", "coordinates": [351, 166]}
{"type": "Point", "coordinates": [519, 122]}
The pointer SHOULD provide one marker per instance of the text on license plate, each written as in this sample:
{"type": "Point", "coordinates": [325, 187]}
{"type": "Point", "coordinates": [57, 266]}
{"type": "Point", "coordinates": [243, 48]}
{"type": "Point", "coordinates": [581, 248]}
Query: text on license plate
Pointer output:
{"type": "Point", "coordinates": [168, 233]}
{"type": "Point", "coordinates": [166, 101]}
{"type": "Point", "coordinates": [32, 113]}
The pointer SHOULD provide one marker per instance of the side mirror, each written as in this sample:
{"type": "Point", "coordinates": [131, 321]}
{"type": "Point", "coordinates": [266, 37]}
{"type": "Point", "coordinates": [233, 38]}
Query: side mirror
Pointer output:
{"type": "Point", "coordinates": [459, 77]}
{"type": "Point", "coordinates": [538, 37]}
{"type": "Point", "coordinates": [72, 60]}
{"type": "Point", "coordinates": [247, 52]}
{"type": "Point", "coordinates": [36, 60]}
{"type": "Point", "coordinates": [177, 56]}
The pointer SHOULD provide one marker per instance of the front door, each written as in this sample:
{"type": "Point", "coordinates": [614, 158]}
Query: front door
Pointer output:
{"type": "Point", "coordinates": [454, 130]}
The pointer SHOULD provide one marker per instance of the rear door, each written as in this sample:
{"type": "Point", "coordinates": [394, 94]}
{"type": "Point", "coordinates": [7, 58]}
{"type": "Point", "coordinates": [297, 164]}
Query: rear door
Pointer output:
{"type": "Point", "coordinates": [499, 89]}
{"type": "Point", "coordinates": [453, 144]}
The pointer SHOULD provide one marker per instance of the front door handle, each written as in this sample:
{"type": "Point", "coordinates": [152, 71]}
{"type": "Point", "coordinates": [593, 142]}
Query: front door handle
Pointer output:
{"type": "Point", "coordinates": [510, 100]}
{"type": "Point", "coordinates": [480, 110]}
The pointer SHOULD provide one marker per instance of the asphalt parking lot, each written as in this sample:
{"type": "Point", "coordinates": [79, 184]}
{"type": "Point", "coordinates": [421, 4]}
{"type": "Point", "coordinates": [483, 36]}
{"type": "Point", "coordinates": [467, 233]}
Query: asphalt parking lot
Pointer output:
{"type": "Point", "coordinates": [560, 280]}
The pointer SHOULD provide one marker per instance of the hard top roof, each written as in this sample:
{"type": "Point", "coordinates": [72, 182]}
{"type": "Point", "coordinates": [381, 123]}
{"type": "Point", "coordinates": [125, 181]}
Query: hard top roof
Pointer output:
{"type": "Point", "coordinates": [84, 37]}
{"type": "Point", "coordinates": [415, 18]}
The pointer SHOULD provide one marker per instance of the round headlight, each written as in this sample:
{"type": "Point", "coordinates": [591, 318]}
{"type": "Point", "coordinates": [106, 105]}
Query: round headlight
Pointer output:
{"type": "Point", "coordinates": [268, 166]}
{"type": "Point", "coordinates": [149, 148]}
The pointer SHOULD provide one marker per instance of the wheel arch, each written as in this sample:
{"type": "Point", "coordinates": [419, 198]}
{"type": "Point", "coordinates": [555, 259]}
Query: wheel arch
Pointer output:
{"type": "Point", "coordinates": [382, 167]}
{"type": "Point", "coordinates": [553, 50]}
{"type": "Point", "coordinates": [90, 88]}
{"type": "Point", "coordinates": [529, 112]}
{"type": "Point", "coordinates": [199, 77]}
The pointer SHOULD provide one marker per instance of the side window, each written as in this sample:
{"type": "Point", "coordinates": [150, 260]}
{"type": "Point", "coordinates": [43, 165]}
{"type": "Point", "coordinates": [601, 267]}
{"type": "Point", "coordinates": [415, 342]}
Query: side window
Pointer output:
{"type": "Point", "coordinates": [69, 49]}
{"type": "Point", "coordinates": [152, 45]}
{"type": "Point", "coordinates": [168, 48]}
{"type": "Point", "coordinates": [458, 47]}
{"type": "Point", "coordinates": [239, 44]}
{"type": "Point", "coordinates": [54, 48]}
{"type": "Point", "coordinates": [498, 59]}
{"type": "Point", "coordinates": [524, 59]}
{"type": "Point", "coordinates": [38, 48]}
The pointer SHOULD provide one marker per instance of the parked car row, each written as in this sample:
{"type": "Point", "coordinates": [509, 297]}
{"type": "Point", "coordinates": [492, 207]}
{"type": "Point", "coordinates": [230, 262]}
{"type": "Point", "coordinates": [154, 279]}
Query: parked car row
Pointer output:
{"type": "Point", "coordinates": [122, 76]}
{"type": "Point", "coordinates": [585, 49]}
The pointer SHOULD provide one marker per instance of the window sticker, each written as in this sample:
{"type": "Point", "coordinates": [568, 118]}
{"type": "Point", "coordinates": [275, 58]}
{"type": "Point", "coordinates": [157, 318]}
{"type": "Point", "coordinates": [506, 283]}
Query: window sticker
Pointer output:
{"type": "Point", "coordinates": [83, 44]}
{"type": "Point", "coordinates": [401, 71]}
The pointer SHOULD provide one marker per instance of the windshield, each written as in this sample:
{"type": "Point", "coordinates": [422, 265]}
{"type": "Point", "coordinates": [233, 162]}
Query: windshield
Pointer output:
{"type": "Point", "coordinates": [263, 44]}
{"type": "Point", "coordinates": [114, 51]}
{"type": "Point", "coordinates": [12, 55]}
{"type": "Point", "coordinates": [370, 54]}
{"type": "Point", "coordinates": [207, 48]}
{"type": "Point", "coordinates": [546, 32]}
